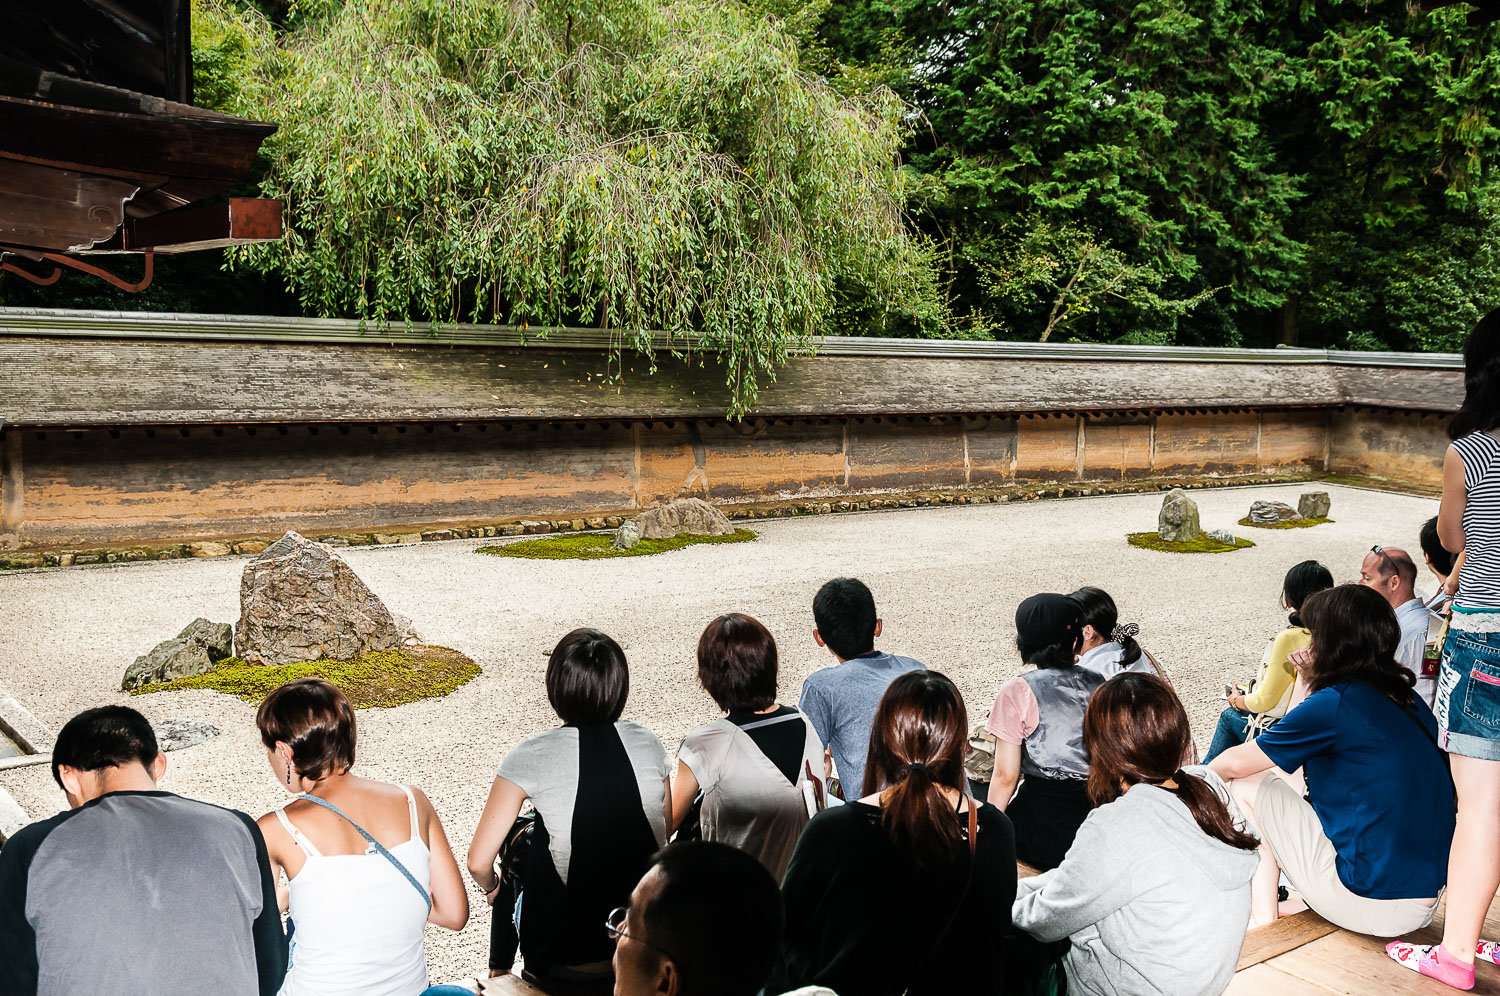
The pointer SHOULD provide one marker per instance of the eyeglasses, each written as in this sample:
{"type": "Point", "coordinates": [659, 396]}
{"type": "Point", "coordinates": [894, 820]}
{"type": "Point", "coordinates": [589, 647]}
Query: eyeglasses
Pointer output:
{"type": "Point", "coordinates": [614, 926]}
{"type": "Point", "coordinates": [1385, 558]}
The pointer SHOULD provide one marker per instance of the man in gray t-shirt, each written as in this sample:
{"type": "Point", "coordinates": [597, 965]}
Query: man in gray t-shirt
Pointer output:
{"type": "Point", "coordinates": [840, 701]}
{"type": "Point", "coordinates": [134, 890]}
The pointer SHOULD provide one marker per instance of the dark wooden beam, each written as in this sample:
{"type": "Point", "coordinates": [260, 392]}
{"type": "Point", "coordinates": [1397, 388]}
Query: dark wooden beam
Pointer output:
{"type": "Point", "coordinates": [207, 226]}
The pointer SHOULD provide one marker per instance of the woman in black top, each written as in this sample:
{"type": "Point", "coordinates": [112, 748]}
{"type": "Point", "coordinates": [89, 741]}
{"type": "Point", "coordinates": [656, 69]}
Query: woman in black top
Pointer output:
{"type": "Point", "coordinates": [894, 893]}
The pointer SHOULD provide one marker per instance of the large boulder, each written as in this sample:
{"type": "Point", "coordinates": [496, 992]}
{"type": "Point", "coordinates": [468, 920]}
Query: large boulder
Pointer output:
{"type": "Point", "coordinates": [1178, 520]}
{"type": "Point", "coordinates": [1314, 505]}
{"type": "Point", "coordinates": [685, 515]}
{"type": "Point", "coordinates": [300, 602]}
{"type": "Point", "coordinates": [1266, 512]}
{"type": "Point", "coordinates": [200, 646]}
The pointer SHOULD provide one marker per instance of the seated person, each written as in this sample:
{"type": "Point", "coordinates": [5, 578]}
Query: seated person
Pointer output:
{"type": "Point", "coordinates": [1155, 892]}
{"type": "Point", "coordinates": [1368, 848]}
{"type": "Point", "coordinates": [1107, 646]}
{"type": "Point", "coordinates": [1037, 721]}
{"type": "Point", "coordinates": [705, 920]}
{"type": "Point", "coordinates": [132, 889]}
{"type": "Point", "coordinates": [840, 701]}
{"type": "Point", "coordinates": [603, 801]}
{"type": "Point", "coordinates": [1444, 566]}
{"type": "Point", "coordinates": [1272, 695]}
{"type": "Point", "coordinates": [1392, 573]}
{"type": "Point", "coordinates": [751, 765]}
{"type": "Point", "coordinates": [360, 912]}
{"type": "Point", "coordinates": [896, 892]}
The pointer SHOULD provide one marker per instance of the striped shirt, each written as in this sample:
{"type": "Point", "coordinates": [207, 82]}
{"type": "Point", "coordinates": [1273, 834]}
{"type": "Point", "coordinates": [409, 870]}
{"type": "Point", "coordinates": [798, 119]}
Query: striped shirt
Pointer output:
{"type": "Point", "coordinates": [1479, 580]}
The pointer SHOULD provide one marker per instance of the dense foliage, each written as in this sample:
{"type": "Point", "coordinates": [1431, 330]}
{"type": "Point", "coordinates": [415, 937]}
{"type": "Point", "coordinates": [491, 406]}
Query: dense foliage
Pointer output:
{"type": "Point", "coordinates": [743, 175]}
{"type": "Point", "coordinates": [643, 166]}
{"type": "Point", "coordinates": [1203, 171]}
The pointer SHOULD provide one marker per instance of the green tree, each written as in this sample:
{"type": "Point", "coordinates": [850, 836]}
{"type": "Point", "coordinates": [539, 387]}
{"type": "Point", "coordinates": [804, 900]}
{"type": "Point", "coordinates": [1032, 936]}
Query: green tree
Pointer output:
{"type": "Point", "coordinates": [638, 165]}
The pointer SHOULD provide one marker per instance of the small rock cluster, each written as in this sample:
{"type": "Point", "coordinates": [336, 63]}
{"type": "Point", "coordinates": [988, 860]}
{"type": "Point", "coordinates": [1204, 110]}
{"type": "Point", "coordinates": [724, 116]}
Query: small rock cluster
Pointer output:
{"type": "Point", "coordinates": [1311, 505]}
{"type": "Point", "coordinates": [685, 515]}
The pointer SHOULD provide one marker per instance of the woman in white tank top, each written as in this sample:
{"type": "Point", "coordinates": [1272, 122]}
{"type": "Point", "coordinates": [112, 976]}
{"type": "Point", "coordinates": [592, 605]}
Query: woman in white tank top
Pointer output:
{"type": "Point", "coordinates": [359, 904]}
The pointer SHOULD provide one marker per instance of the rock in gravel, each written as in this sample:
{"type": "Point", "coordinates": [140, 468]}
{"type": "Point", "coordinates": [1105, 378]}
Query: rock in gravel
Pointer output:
{"type": "Point", "coordinates": [1271, 511]}
{"type": "Point", "coordinates": [209, 549]}
{"type": "Point", "coordinates": [627, 535]}
{"type": "Point", "coordinates": [175, 734]}
{"type": "Point", "coordinates": [299, 601]}
{"type": "Point", "coordinates": [1314, 505]}
{"type": "Point", "coordinates": [1222, 536]}
{"type": "Point", "coordinates": [195, 650]}
{"type": "Point", "coordinates": [685, 515]}
{"type": "Point", "coordinates": [1178, 520]}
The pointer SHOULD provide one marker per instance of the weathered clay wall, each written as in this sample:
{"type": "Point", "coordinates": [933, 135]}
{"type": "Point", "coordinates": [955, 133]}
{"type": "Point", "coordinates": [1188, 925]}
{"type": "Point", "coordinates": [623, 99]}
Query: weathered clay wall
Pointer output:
{"type": "Point", "coordinates": [1401, 447]}
{"type": "Point", "coordinates": [65, 488]}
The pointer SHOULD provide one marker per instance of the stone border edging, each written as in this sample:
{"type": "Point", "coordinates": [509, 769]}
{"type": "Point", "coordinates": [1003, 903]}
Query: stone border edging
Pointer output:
{"type": "Point", "coordinates": [916, 498]}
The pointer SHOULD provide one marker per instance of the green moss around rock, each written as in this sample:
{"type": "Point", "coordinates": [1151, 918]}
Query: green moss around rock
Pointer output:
{"type": "Point", "coordinates": [600, 546]}
{"type": "Point", "coordinates": [379, 679]}
{"type": "Point", "coordinates": [1151, 541]}
{"type": "Point", "coordinates": [1285, 523]}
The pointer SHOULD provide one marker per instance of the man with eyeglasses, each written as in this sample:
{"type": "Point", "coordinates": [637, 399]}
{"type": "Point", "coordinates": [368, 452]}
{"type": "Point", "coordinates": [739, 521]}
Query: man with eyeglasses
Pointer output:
{"type": "Point", "coordinates": [1393, 573]}
{"type": "Point", "coordinates": [705, 920]}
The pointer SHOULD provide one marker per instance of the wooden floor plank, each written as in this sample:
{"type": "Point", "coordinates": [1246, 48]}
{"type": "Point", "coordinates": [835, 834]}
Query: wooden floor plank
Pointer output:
{"type": "Point", "coordinates": [1286, 934]}
{"type": "Point", "coordinates": [1357, 965]}
{"type": "Point", "coordinates": [1259, 980]}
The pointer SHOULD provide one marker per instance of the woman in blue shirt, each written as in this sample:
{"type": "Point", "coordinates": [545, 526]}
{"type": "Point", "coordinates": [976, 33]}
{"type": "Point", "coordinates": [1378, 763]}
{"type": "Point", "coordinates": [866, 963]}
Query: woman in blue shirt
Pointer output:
{"type": "Point", "coordinates": [1368, 847]}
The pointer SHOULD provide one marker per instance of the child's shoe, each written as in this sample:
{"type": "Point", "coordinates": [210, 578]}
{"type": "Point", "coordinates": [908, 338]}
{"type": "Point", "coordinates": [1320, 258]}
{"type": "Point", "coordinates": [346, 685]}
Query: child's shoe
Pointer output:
{"type": "Point", "coordinates": [1432, 961]}
{"type": "Point", "coordinates": [1488, 951]}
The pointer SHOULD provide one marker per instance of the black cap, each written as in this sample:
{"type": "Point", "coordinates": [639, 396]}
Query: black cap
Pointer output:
{"type": "Point", "coordinates": [1047, 619]}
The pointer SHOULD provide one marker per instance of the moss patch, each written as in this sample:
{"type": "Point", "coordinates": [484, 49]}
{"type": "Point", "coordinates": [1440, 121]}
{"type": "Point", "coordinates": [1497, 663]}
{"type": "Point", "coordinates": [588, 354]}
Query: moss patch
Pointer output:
{"type": "Point", "coordinates": [1151, 541]}
{"type": "Point", "coordinates": [1285, 523]}
{"type": "Point", "coordinates": [377, 680]}
{"type": "Point", "coordinates": [600, 546]}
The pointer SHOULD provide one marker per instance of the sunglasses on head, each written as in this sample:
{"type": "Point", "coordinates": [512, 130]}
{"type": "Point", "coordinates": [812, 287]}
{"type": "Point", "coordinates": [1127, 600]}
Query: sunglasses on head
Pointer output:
{"type": "Point", "coordinates": [1390, 565]}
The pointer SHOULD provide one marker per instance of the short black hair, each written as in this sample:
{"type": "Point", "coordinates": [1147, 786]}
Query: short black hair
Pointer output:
{"type": "Point", "coordinates": [737, 663]}
{"type": "Point", "coordinates": [718, 916]}
{"type": "Point", "coordinates": [844, 611]}
{"type": "Point", "coordinates": [587, 679]}
{"type": "Point", "coordinates": [1434, 549]}
{"type": "Point", "coordinates": [105, 737]}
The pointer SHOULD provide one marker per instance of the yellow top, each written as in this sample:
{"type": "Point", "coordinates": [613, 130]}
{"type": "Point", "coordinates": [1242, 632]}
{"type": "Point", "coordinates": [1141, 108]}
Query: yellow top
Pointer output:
{"type": "Point", "coordinates": [1277, 676]}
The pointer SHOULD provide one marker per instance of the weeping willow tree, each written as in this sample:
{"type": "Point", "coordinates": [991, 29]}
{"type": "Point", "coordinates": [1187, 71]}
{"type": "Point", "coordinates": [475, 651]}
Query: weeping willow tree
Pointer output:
{"type": "Point", "coordinates": [642, 166]}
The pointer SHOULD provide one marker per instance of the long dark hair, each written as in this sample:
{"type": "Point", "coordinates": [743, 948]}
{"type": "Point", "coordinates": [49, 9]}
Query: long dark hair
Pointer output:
{"type": "Point", "coordinates": [1099, 612]}
{"type": "Point", "coordinates": [1354, 638]}
{"type": "Point", "coordinates": [916, 748]}
{"type": "Point", "coordinates": [1481, 407]}
{"type": "Point", "coordinates": [1302, 580]}
{"type": "Point", "coordinates": [1136, 732]}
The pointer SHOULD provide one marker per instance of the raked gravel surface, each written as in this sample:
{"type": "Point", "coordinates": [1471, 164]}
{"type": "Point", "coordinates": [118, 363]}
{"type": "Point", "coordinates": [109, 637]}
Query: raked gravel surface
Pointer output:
{"type": "Point", "coordinates": [946, 581]}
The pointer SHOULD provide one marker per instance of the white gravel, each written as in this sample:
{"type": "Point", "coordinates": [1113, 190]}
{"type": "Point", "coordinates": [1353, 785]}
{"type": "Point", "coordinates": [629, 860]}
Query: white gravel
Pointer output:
{"type": "Point", "coordinates": [946, 581]}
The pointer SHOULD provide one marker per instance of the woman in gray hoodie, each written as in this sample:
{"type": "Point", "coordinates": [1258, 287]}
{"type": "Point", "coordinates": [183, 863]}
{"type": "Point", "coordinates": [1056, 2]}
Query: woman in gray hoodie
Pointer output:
{"type": "Point", "coordinates": [1155, 891]}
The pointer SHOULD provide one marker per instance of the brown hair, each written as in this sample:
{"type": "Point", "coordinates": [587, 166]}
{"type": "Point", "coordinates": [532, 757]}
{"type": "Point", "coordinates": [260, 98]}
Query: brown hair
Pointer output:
{"type": "Point", "coordinates": [313, 718]}
{"type": "Point", "coordinates": [1136, 732]}
{"type": "Point", "coordinates": [916, 747]}
{"type": "Point", "coordinates": [737, 663]}
{"type": "Point", "coordinates": [587, 679]}
{"type": "Point", "coordinates": [1354, 638]}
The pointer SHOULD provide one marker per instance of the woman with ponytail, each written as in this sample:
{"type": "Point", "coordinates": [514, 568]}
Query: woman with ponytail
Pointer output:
{"type": "Point", "coordinates": [1108, 646]}
{"type": "Point", "coordinates": [892, 894]}
{"type": "Point", "coordinates": [1155, 892]}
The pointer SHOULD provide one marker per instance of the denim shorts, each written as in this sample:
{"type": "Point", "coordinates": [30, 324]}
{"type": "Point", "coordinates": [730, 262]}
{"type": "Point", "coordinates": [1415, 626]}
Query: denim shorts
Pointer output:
{"type": "Point", "coordinates": [1468, 695]}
